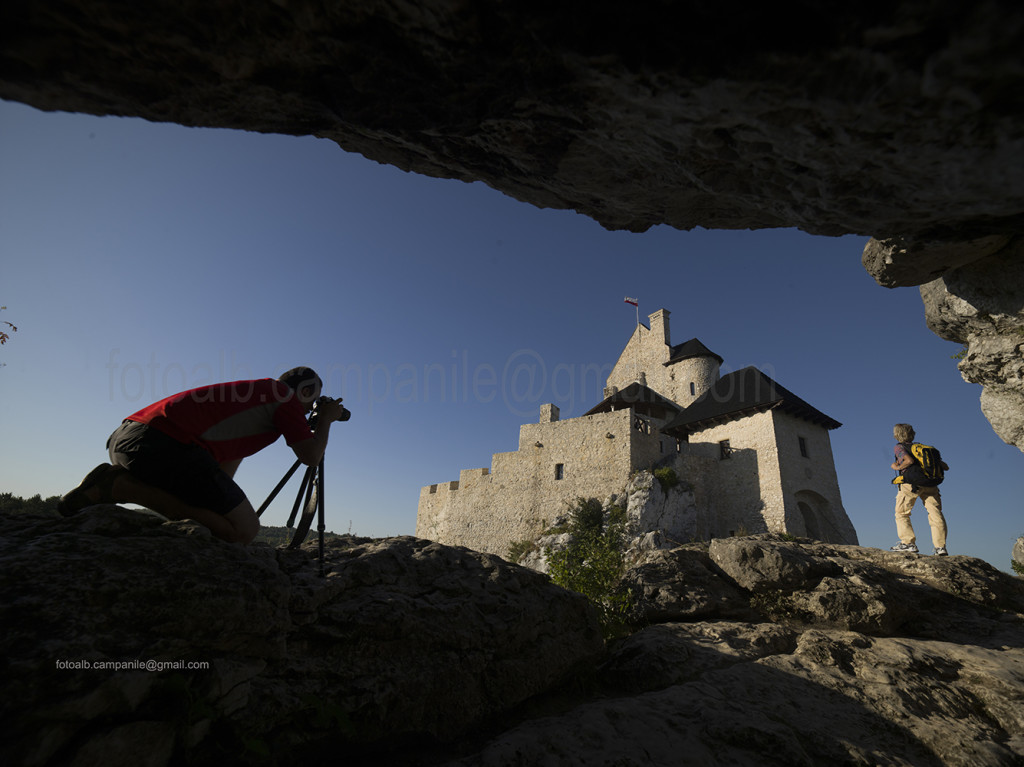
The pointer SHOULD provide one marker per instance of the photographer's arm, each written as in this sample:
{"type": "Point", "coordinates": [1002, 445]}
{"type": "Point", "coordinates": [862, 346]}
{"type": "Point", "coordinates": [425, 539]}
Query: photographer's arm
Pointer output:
{"type": "Point", "coordinates": [310, 451]}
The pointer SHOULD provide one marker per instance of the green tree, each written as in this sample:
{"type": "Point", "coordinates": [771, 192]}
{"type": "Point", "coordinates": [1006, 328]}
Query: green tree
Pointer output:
{"type": "Point", "coordinates": [593, 562]}
{"type": "Point", "coordinates": [13, 504]}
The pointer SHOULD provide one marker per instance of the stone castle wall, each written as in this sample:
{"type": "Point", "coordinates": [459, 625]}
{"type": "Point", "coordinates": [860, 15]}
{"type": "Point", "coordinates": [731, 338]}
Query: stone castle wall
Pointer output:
{"type": "Point", "coordinates": [766, 478]}
{"type": "Point", "coordinates": [646, 352]}
{"type": "Point", "coordinates": [524, 491]}
{"type": "Point", "coordinates": [810, 481]}
{"type": "Point", "coordinates": [764, 484]}
{"type": "Point", "coordinates": [746, 482]}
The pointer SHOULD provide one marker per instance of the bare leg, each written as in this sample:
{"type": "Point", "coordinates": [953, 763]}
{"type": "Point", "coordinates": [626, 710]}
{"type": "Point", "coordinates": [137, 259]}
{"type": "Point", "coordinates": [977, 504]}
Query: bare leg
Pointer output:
{"type": "Point", "coordinates": [235, 527]}
{"type": "Point", "coordinates": [244, 521]}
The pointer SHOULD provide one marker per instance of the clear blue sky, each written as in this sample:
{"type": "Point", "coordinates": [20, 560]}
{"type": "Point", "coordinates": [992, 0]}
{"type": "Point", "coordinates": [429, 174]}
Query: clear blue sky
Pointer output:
{"type": "Point", "coordinates": [141, 259]}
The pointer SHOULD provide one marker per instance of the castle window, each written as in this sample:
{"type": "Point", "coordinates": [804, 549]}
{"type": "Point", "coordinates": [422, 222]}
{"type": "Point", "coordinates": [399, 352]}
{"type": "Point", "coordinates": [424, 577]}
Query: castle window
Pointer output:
{"type": "Point", "coordinates": [724, 451]}
{"type": "Point", "coordinates": [803, 447]}
{"type": "Point", "coordinates": [559, 471]}
{"type": "Point", "coordinates": [693, 389]}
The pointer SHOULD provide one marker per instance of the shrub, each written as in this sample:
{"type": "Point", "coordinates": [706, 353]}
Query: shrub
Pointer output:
{"type": "Point", "coordinates": [593, 562]}
{"type": "Point", "coordinates": [519, 549]}
{"type": "Point", "coordinates": [666, 478]}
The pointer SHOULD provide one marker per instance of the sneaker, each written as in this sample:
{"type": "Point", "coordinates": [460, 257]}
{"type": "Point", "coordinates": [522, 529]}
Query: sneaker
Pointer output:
{"type": "Point", "coordinates": [907, 548]}
{"type": "Point", "coordinates": [100, 479]}
{"type": "Point", "coordinates": [941, 552]}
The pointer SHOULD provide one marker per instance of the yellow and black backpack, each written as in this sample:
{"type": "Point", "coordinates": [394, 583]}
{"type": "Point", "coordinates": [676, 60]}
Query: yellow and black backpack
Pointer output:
{"type": "Point", "coordinates": [926, 471]}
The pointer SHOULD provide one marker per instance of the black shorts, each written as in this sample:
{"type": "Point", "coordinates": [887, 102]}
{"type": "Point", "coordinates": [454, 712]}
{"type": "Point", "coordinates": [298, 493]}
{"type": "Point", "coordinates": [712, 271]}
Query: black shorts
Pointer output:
{"type": "Point", "coordinates": [188, 472]}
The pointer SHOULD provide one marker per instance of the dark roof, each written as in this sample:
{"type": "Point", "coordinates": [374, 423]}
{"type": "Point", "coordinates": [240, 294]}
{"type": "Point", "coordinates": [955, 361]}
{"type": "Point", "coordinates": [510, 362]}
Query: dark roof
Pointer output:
{"type": "Point", "coordinates": [690, 349]}
{"type": "Point", "coordinates": [640, 397]}
{"type": "Point", "coordinates": [739, 394]}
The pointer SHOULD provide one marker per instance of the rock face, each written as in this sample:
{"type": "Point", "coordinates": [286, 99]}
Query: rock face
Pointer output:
{"type": "Point", "coordinates": [895, 120]}
{"type": "Point", "coordinates": [673, 512]}
{"type": "Point", "coordinates": [747, 651]}
{"type": "Point", "coordinates": [761, 652]}
{"type": "Point", "coordinates": [981, 305]}
{"type": "Point", "coordinates": [404, 641]}
{"type": "Point", "coordinates": [891, 120]}
{"type": "Point", "coordinates": [973, 294]}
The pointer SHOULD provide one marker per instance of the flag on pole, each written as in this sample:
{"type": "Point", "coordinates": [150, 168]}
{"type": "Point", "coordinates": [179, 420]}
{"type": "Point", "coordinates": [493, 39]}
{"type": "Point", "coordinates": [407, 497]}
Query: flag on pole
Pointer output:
{"type": "Point", "coordinates": [636, 304]}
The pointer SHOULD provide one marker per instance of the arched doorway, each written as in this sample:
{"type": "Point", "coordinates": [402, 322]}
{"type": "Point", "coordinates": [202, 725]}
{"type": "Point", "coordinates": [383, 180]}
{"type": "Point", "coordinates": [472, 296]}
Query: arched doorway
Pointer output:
{"type": "Point", "coordinates": [810, 522]}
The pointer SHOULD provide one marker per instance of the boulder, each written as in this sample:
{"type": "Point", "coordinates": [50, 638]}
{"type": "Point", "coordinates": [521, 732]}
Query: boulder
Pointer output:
{"type": "Point", "coordinates": [853, 656]}
{"type": "Point", "coordinates": [130, 640]}
{"type": "Point", "coordinates": [833, 698]}
{"type": "Point", "coordinates": [126, 634]}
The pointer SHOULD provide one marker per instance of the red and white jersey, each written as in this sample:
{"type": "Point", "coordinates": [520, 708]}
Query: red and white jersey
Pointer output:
{"type": "Point", "coordinates": [230, 420]}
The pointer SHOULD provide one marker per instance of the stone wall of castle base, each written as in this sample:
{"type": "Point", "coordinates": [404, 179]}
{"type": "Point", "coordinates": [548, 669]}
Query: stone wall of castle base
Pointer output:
{"type": "Point", "coordinates": [525, 491]}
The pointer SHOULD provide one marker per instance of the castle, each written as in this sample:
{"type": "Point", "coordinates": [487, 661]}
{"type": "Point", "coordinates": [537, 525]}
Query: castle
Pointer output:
{"type": "Point", "coordinates": [751, 456]}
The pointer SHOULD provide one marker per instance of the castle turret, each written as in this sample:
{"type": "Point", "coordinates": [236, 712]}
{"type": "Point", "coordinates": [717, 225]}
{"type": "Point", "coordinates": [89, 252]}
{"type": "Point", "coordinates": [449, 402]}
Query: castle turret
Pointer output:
{"type": "Point", "coordinates": [681, 373]}
{"type": "Point", "coordinates": [693, 369]}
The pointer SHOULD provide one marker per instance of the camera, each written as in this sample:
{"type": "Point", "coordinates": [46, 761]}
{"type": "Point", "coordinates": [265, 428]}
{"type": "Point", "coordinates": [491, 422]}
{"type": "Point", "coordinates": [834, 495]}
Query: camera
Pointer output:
{"type": "Point", "coordinates": [314, 416]}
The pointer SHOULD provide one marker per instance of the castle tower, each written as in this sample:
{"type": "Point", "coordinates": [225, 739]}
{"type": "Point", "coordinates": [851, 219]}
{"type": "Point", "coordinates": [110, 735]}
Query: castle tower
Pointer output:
{"type": "Point", "coordinates": [680, 373]}
{"type": "Point", "coordinates": [692, 369]}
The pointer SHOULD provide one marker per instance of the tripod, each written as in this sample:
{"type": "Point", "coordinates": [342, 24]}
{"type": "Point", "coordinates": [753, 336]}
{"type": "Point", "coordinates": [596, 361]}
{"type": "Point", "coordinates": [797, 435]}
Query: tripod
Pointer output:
{"type": "Point", "coordinates": [312, 489]}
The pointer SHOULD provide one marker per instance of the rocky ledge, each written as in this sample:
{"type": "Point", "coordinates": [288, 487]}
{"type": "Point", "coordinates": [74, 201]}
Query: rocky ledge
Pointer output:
{"type": "Point", "coordinates": [745, 651]}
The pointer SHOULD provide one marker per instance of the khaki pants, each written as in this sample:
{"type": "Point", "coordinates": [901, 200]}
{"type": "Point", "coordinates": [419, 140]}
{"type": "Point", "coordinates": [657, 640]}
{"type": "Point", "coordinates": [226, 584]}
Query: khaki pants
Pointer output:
{"type": "Point", "coordinates": [905, 500]}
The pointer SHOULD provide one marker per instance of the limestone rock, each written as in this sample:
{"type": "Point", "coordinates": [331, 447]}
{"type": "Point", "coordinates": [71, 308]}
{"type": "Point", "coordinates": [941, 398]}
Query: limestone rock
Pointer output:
{"type": "Point", "coordinates": [403, 639]}
{"type": "Point", "coordinates": [668, 654]}
{"type": "Point", "coordinates": [981, 305]}
{"type": "Point", "coordinates": [682, 584]}
{"type": "Point", "coordinates": [537, 557]}
{"type": "Point", "coordinates": [1018, 551]}
{"type": "Point", "coordinates": [932, 675]}
{"type": "Point", "coordinates": [651, 509]}
{"type": "Point", "coordinates": [837, 698]}
{"type": "Point", "coordinates": [897, 262]}
{"type": "Point", "coordinates": [890, 120]}
{"type": "Point", "coordinates": [750, 651]}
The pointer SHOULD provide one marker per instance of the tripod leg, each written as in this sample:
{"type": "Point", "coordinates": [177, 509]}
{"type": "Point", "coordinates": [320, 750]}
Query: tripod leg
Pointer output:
{"type": "Point", "coordinates": [276, 490]}
{"type": "Point", "coordinates": [320, 510]}
{"type": "Point", "coordinates": [304, 490]}
{"type": "Point", "coordinates": [309, 510]}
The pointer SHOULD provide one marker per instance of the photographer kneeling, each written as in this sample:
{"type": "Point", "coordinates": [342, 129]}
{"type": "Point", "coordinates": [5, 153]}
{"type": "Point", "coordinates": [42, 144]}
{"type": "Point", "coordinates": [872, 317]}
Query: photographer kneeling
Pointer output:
{"type": "Point", "coordinates": [179, 455]}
